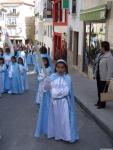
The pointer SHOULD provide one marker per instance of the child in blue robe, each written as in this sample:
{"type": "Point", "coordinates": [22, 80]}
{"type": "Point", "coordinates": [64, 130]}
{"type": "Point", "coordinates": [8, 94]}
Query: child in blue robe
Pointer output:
{"type": "Point", "coordinates": [15, 77]}
{"type": "Point", "coordinates": [7, 57]}
{"type": "Point", "coordinates": [34, 57]}
{"type": "Point", "coordinates": [2, 75]}
{"type": "Point", "coordinates": [1, 53]}
{"type": "Point", "coordinates": [50, 60]}
{"type": "Point", "coordinates": [57, 115]}
{"type": "Point", "coordinates": [29, 56]}
{"type": "Point", "coordinates": [23, 72]}
{"type": "Point", "coordinates": [41, 77]}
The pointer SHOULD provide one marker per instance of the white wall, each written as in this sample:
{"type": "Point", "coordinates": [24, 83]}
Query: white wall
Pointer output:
{"type": "Point", "coordinates": [48, 40]}
{"type": "Point", "coordinates": [40, 25]}
{"type": "Point", "coordinates": [24, 12]}
{"type": "Point", "coordinates": [76, 25]}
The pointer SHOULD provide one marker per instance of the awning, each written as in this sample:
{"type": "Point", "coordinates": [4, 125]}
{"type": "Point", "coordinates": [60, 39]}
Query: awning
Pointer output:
{"type": "Point", "coordinates": [95, 13]}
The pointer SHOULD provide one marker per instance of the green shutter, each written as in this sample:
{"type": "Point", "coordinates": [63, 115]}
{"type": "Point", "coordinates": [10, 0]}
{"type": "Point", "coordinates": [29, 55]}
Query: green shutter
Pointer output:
{"type": "Point", "coordinates": [96, 13]}
{"type": "Point", "coordinates": [65, 4]}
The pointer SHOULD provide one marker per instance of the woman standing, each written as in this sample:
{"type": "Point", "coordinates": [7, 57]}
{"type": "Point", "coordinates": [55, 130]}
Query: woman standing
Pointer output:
{"type": "Point", "coordinates": [103, 72]}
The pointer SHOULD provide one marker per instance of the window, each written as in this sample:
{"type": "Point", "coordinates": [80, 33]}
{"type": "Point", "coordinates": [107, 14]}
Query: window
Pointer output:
{"type": "Point", "coordinates": [70, 39]}
{"type": "Point", "coordinates": [51, 31]}
{"type": "Point", "coordinates": [0, 13]}
{"type": "Point", "coordinates": [48, 50]}
{"type": "Point", "coordinates": [45, 30]}
{"type": "Point", "coordinates": [58, 12]}
{"type": "Point", "coordinates": [94, 35]}
{"type": "Point", "coordinates": [59, 19]}
{"type": "Point", "coordinates": [11, 21]}
{"type": "Point", "coordinates": [14, 10]}
{"type": "Point", "coordinates": [48, 31]}
{"type": "Point", "coordinates": [73, 6]}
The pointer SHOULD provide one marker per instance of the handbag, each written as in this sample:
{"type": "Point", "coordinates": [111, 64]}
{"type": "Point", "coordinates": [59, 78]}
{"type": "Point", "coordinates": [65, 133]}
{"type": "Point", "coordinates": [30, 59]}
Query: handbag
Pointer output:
{"type": "Point", "coordinates": [107, 96]}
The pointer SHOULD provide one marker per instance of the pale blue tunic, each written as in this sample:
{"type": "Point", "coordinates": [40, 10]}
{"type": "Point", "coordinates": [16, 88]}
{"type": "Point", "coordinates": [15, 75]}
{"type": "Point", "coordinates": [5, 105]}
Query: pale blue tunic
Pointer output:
{"type": "Point", "coordinates": [29, 57]}
{"type": "Point", "coordinates": [58, 123]}
{"type": "Point", "coordinates": [34, 58]}
{"type": "Point", "coordinates": [41, 77]}
{"type": "Point", "coordinates": [24, 79]}
{"type": "Point", "coordinates": [15, 79]}
{"type": "Point", "coordinates": [7, 58]}
{"type": "Point", "coordinates": [2, 77]}
{"type": "Point", "coordinates": [57, 115]}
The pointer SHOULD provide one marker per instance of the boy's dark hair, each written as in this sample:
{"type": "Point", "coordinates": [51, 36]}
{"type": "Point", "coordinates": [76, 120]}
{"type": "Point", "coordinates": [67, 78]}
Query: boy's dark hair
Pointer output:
{"type": "Point", "coordinates": [2, 59]}
{"type": "Point", "coordinates": [7, 50]}
{"type": "Point", "coordinates": [45, 58]}
{"type": "Point", "coordinates": [105, 45]}
{"type": "Point", "coordinates": [64, 65]}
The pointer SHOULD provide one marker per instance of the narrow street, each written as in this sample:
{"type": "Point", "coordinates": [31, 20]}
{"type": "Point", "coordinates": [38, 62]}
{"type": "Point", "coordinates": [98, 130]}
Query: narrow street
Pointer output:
{"type": "Point", "coordinates": [18, 115]}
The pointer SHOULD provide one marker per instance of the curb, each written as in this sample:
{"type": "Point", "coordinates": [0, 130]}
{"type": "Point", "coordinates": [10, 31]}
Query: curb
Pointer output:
{"type": "Point", "coordinates": [103, 126]}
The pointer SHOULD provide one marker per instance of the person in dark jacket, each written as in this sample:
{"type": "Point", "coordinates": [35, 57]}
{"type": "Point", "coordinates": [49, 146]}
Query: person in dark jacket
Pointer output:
{"type": "Point", "coordinates": [103, 71]}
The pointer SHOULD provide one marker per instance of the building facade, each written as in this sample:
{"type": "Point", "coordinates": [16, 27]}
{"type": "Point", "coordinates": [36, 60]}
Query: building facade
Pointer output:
{"type": "Point", "coordinates": [60, 22]}
{"type": "Point", "coordinates": [97, 22]}
{"type": "Point", "coordinates": [90, 24]}
{"type": "Point", "coordinates": [19, 20]}
{"type": "Point", "coordinates": [2, 24]}
{"type": "Point", "coordinates": [75, 36]}
{"type": "Point", "coordinates": [44, 24]}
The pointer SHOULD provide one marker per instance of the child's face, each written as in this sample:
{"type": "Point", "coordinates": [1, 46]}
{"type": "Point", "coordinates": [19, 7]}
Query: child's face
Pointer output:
{"type": "Point", "coordinates": [1, 62]}
{"type": "Point", "coordinates": [13, 60]}
{"type": "Point", "coordinates": [60, 68]}
{"type": "Point", "coordinates": [1, 52]}
{"type": "Point", "coordinates": [20, 61]}
{"type": "Point", "coordinates": [45, 62]}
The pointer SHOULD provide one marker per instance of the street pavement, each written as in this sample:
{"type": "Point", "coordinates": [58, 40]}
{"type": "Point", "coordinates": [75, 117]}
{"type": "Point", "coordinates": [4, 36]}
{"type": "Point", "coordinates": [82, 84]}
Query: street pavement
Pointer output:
{"type": "Point", "coordinates": [18, 114]}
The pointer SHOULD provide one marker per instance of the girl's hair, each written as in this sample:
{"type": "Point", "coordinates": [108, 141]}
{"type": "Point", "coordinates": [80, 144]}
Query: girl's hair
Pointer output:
{"type": "Point", "coordinates": [20, 58]}
{"type": "Point", "coordinates": [1, 50]}
{"type": "Point", "coordinates": [43, 50]}
{"type": "Point", "coordinates": [13, 57]}
{"type": "Point", "coordinates": [2, 59]}
{"type": "Point", "coordinates": [45, 58]}
{"type": "Point", "coordinates": [62, 62]}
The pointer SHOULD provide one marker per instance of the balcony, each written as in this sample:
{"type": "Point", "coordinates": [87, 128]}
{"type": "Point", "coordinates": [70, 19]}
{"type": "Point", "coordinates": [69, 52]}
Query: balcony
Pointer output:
{"type": "Point", "coordinates": [11, 25]}
{"type": "Point", "coordinates": [13, 14]}
{"type": "Point", "coordinates": [47, 13]}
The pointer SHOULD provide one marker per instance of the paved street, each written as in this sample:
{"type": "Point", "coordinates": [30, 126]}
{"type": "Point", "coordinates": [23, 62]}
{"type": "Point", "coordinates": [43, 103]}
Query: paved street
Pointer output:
{"type": "Point", "coordinates": [17, 124]}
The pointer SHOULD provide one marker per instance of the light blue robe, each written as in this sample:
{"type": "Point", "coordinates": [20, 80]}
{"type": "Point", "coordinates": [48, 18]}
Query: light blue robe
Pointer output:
{"type": "Point", "coordinates": [29, 58]}
{"type": "Point", "coordinates": [7, 58]}
{"type": "Point", "coordinates": [44, 121]}
{"type": "Point", "coordinates": [2, 77]}
{"type": "Point", "coordinates": [24, 79]}
{"type": "Point", "coordinates": [15, 79]}
{"type": "Point", "coordinates": [1, 56]}
{"type": "Point", "coordinates": [37, 67]}
{"type": "Point", "coordinates": [41, 78]}
{"type": "Point", "coordinates": [34, 58]}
